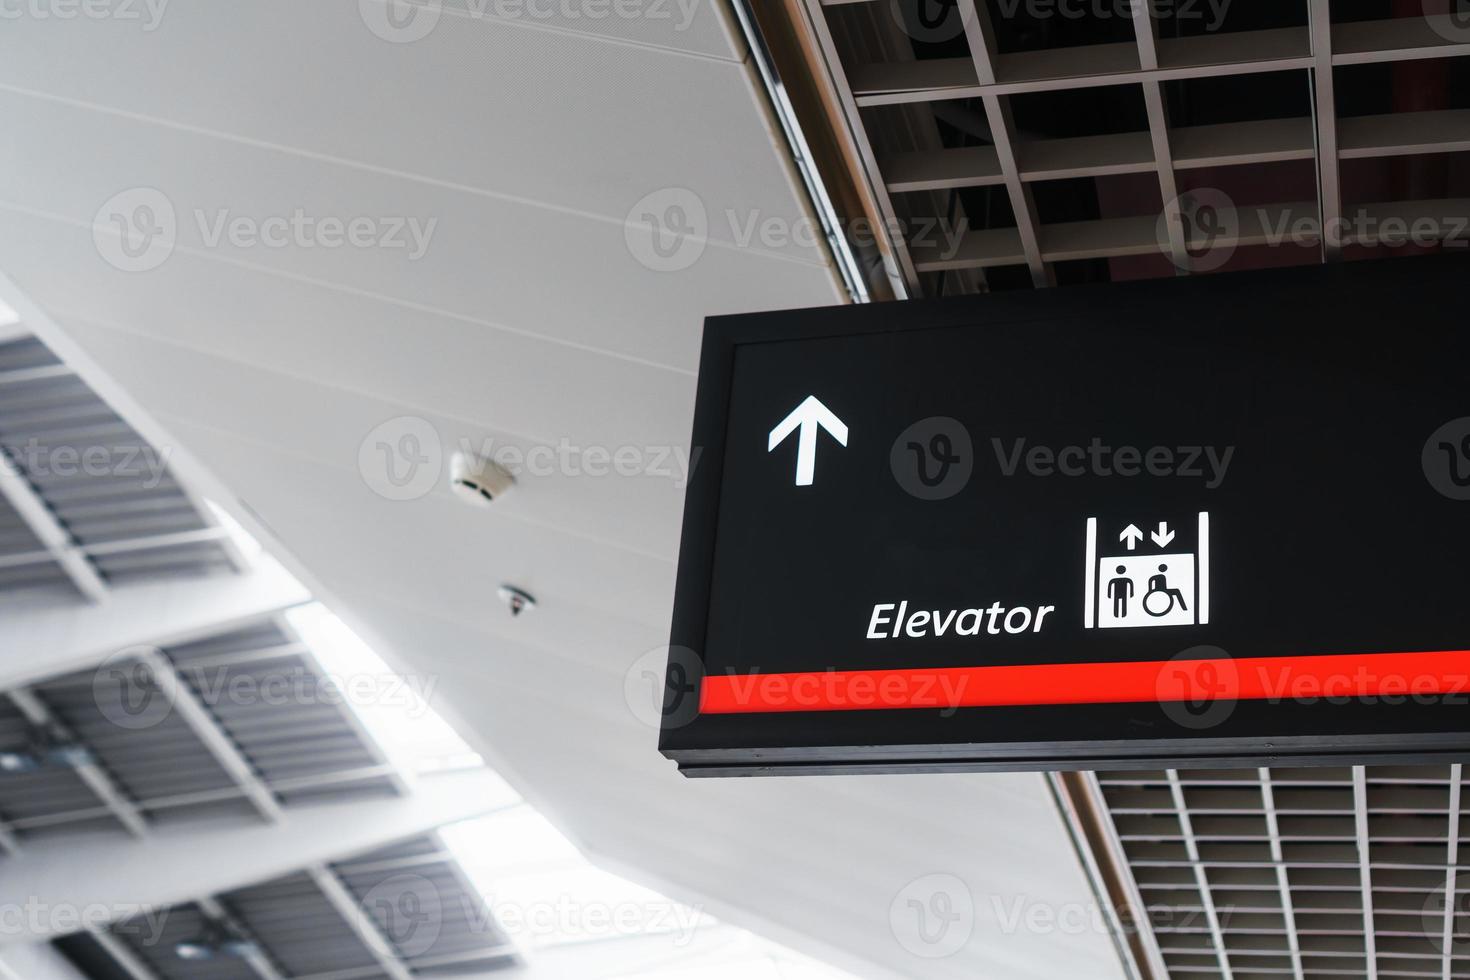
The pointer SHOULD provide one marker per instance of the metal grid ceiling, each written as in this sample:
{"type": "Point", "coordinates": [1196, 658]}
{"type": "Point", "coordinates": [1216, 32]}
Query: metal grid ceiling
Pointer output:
{"type": "Point", "coordinates": [88, 504]}
{"type": "Point", "coordinates": [1052, 140]}
{"type": "Point", "coordinates": [329, 922]}
{"type": "Point", "coordinates": [467, 937]}
{"type": "Point", "coordinates": [1305, 873]}
{"type": "Point", "coordinates": [246, 723]}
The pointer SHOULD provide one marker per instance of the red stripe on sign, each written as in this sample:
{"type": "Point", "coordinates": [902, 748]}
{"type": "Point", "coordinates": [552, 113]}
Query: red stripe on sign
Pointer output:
{"type": "Point", "coordinates": [1260, 678]}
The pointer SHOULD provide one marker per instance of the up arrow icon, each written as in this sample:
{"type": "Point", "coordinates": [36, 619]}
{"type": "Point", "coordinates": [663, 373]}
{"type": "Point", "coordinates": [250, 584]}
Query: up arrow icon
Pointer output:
{"type": "Point", "coordinates": [1131, 536]}
{"type": "Point", "coordinates": [807, 417]}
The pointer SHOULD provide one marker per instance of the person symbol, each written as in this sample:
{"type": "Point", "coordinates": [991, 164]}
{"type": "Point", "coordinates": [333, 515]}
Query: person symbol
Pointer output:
{"type": "Point", "coordinates": [1158, 585]}
{"type": "Point", "coordinates": [1120, 590]}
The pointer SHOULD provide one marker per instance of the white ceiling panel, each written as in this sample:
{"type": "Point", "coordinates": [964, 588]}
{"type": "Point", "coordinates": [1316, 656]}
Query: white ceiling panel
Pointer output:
{"type": "Point", "coordinates": [477, 257]}
{"type": "Point", "coordinates": [485, 103]}
{"type": "Point", "coordinates": [356, 342]}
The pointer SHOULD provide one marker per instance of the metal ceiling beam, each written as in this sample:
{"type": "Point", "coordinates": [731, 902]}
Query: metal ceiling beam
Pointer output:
{"type": "Point", "coordinates": [356, 918]}
{"type": "Point", "coordinates": [437, 963]}
{"type": "Point", "coordinates": [1324, 116]}
{"type": "Point", "coordinates": [1365, 869]}
{"type": "Point", "coordinates": [980, 38]}
{"type": "Point", "coordinates": [258, 962]}
{"type": "Point", "coordinates": [351, 973]}
{"type": "Point", "coordinates": [1283, 881]}
{"type": "Point", "coordinates": [891, 242]}
{"type": "Point", "coordinates": [236, 658]}
{"type": "Point", "coordinates": [56, 539]}
{"type": "Point", "coordinates": [45, 372]}
{"type": "Point", "coordinates": [46, 642]}
{"type": "Point", "coordinates": [93, 775]}
{"type": "Point", "coordinates": [1102, 77]}
{"type": "Point", "coordinates": [209, 731]}
{"type": "Point", "coordinates": [1144, 29]}
{"type": "Point", "coordinates": [124, 546]}
{"type": "Point", "coordinates": [398, 863]}
{"type": "Point", "coordinates": [154, 804]}
{"type": "Point", "coordinates": [1201, 877]}
{"type": "Point", "coordinates": [1085, 808]}
{"type": "Point", "coordinates": [215, 857]}
{"type": "Point", "coordinates": [202, 535]}
{"type": "Point", "coordinates": [1452, 860]}
{"type": "Point", "coordinates": [125, 958]}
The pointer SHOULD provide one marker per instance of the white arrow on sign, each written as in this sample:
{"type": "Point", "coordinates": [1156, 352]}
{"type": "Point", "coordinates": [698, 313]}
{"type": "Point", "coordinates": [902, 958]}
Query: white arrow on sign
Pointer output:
{"type": "Point", "coordinates": [1132, 535]}
{"type": "Point", "coordinates": [807, 417]}
{"type": "Point", "coordinates": [1163, 535]}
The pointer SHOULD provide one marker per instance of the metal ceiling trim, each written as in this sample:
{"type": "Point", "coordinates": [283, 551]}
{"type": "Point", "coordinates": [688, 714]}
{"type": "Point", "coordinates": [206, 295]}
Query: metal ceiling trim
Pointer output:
{"type": "Point", "coordinates": [1100, 853]}
{"type": "Point", "coordinates": [826, 176]}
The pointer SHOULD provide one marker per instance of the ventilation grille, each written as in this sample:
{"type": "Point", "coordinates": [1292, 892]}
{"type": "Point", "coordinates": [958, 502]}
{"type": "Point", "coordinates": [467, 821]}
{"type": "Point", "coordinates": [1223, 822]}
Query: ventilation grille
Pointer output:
{"type": "Point", "coordinates": [407, 910]}
{"type": "Point", "coordinates": [1031, 142]}
{"type": "Point", "coordinates": [268, 710]}
{"type": "Point", "coordinates": [1320, 874]}
{"type": "Point", "coordinates": [114, 508]}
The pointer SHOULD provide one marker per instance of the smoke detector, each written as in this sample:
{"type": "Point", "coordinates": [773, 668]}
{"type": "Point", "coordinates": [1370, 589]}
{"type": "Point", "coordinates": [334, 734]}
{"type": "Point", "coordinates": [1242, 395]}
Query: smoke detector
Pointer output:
{"type": "Point", "coordinates": [478, 480]}
{"type": "Point", "coordinates": [516, 600]}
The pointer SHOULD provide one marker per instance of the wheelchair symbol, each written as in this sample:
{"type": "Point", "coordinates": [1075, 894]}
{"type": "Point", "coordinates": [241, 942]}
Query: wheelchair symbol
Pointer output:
{"type": "Point", "coordinates": [1159, 592]}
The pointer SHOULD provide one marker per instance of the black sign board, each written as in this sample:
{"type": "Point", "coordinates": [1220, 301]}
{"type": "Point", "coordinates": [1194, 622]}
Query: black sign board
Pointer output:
{"type": "Point", "coordinates": [1206, 521]}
